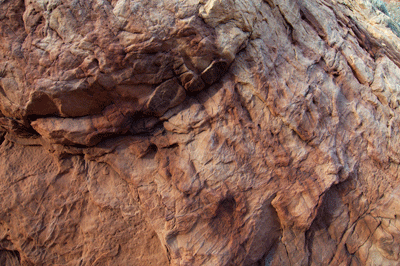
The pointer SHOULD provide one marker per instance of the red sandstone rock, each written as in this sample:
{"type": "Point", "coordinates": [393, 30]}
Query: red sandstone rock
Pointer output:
{"type": "Point", "coordinates": [199, 133]}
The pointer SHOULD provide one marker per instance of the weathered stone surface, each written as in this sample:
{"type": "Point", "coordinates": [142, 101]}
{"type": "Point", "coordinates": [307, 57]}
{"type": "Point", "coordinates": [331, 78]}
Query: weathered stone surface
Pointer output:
{"type": "Point", "coordinates": [199, 132]}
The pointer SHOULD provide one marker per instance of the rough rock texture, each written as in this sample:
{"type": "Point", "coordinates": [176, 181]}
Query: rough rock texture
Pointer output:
{"type": "Point", "coordinates": [199, 132]}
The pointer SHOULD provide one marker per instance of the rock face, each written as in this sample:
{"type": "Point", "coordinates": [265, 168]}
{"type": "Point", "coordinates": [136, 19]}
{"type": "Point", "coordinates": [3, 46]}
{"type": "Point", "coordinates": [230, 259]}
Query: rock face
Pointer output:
{"type": "Point", "coordinates": [199, 132]}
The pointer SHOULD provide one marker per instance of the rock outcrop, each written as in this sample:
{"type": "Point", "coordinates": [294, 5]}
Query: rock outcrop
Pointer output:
{"type": "Point", "coordinates": [199, 132]}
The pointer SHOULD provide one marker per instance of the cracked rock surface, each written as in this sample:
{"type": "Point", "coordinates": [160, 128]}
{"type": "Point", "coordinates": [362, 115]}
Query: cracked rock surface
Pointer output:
{"type": "Point", "coordinates": [199, 132]}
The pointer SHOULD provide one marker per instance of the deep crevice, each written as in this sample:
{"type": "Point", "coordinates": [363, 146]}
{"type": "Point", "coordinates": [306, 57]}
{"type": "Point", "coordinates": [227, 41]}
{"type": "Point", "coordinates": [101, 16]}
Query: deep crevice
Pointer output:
{"type": "Point", "coordinates": [10, 257]}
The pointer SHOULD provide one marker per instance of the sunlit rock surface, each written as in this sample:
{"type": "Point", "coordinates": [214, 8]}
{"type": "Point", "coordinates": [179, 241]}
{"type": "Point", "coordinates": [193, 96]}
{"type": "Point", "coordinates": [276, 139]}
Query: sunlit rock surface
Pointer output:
{"type": "Point", "coordinates": [199, 132]}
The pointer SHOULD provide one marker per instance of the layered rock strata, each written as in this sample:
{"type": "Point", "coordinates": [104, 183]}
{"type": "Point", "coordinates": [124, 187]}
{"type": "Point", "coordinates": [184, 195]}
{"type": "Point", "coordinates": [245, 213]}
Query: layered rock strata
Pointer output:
{"type": "Point", "coordinates": [199, 132]}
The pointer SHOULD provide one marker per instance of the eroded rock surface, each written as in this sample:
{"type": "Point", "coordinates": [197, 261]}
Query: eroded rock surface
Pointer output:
{"type": "Point", "coordinates": [199, 132]}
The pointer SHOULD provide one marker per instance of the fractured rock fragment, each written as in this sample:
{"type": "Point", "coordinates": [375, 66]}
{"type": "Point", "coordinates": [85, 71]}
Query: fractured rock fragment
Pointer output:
{"type": "Point", "coordinates": [169, 94]}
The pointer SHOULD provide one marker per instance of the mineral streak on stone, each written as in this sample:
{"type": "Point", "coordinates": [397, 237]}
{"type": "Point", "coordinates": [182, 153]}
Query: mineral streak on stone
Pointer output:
{"type": "Point", "coordinates": [214, 72]}
{"type": "Point", "coordinates": [199, 132]}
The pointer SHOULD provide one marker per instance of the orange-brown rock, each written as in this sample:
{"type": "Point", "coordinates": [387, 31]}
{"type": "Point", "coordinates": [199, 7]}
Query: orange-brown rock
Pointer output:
{"type": "Point", "coordinates": [199, 132]}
